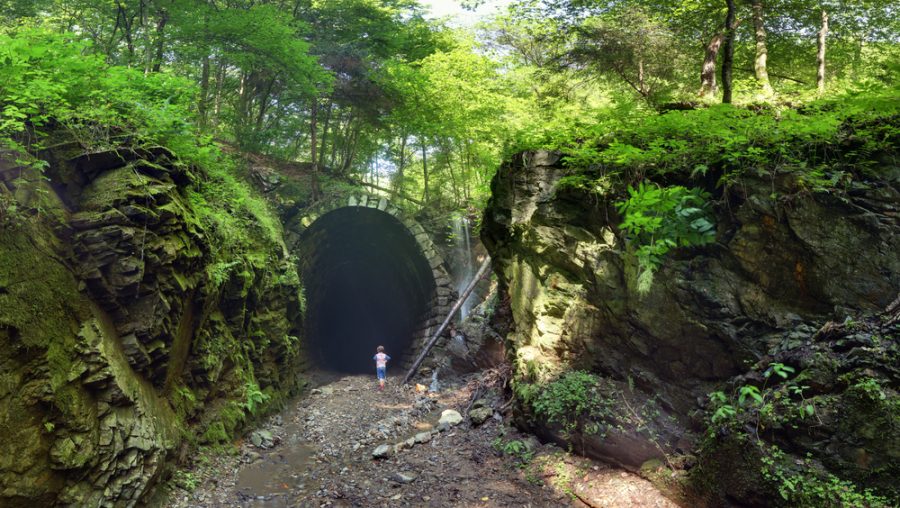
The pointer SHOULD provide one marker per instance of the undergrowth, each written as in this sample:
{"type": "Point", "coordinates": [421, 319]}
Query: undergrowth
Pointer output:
{"type": "Point", "coordinates": [663, 171]}
{"type": "Point", "coordinates": [57, 94]}
{"type": "Point", "coordinates": [782, 402]}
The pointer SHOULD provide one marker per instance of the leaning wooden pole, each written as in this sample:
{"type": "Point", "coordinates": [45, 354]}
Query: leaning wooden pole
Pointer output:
{"type": "Point", "coordinates": [462, 298]}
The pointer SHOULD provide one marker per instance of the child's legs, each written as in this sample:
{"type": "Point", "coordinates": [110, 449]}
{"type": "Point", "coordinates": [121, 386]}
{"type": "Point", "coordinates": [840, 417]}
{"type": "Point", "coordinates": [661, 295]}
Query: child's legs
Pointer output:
{"type": "Point", "coordinates": [381, 374]}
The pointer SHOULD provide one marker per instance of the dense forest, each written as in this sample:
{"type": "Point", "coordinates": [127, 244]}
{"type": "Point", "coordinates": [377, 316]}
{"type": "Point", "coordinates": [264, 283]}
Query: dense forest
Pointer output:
{"type": "Point", "coordinates": [380, 93]}
{"type": "Point", "coordinates": [714, 178]}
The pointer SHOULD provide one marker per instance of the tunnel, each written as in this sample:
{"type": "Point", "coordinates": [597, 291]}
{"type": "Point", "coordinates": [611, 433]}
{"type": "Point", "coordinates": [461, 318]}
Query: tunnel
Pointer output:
{"type": "Point", "coordinates": [367, 283]}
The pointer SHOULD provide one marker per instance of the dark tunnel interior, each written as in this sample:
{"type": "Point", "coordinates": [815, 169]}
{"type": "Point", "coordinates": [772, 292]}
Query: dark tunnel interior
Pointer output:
{"type": "Point", "coordinates": [367, 283]}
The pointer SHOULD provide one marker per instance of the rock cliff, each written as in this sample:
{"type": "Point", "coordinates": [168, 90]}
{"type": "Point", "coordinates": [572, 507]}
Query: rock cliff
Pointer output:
{"type": "Point", "coordinates": [124, 335]}
{"type": "Point", "coordinates": [717, 317]}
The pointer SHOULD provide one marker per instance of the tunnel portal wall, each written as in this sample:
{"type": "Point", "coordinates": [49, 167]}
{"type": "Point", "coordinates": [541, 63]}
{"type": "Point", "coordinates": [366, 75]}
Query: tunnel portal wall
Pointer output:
{"type": "Point", "coordinates": [441, 294]}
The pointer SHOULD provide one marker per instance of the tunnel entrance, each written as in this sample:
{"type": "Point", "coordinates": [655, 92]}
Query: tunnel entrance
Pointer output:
{"type": "Point", "coordinates": [367, 283]}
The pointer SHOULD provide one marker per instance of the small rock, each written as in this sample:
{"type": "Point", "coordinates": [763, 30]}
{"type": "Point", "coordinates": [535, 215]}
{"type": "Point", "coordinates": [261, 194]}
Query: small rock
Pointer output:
{"type": "Point", "coordinates": [480, 415]}
{"type": "Point", "coordinates": [382, 452]}
{"type": "Point", "coordinates": [480, 403]}
{"type": "Point", "coordinates": [262, 439]}
{"type": "Point", "coordinates": [410, 442]}
{"type": "Point", "coordinates": [403, 478]}
{"type": "Point", "coordinates": [422, 437]}
{"type": "Point", "coordinates": [451, 417]}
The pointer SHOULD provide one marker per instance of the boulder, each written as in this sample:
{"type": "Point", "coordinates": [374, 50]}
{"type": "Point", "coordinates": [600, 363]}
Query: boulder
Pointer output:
{"type": "Point", "coordinates": [479, 415]}
{"type": "Point", "coordinates": [785, 262]}
{"type": "Point", "coordinates": [450, 417]}
{"type": "Point", "coordinates": [262, 439]}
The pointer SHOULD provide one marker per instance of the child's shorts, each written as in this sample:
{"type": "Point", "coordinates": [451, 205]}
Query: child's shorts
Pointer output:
{"type": "Point", "coordinates": [381, 372]}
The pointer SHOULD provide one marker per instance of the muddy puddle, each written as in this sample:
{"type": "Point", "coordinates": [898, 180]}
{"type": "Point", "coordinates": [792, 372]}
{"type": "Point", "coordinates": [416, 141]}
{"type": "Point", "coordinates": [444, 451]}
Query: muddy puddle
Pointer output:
{"type": "Point", "coordinates": [278, 474]}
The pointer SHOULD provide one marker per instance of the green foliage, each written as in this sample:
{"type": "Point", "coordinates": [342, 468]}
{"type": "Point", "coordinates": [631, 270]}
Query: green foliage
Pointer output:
{"type": "Point", "coordinates": [47, 80]}
{"type": "Point", "coordinates": [828, 145]}
{"type": "Point", "coordinates": [513, 448]}
{"type": "Point", "coordinates": [244, 231]}
{"type": "Point", "coordinates": [801, 484]}
{"type": "Point", "coordinates": [184, 402]}
{"type": "Point", "coordinates": [186, 480]}
{"type": "Point", "coordinates": [731, 142]}
{"type": "Point", "coordinates": [216, 434]}
{"type": "Point", "coordinates": [804, 482]}
{"type": "Point", "coordinates": [569, 399]}
{"type": "Point", "coordinates": [749, 393]}
{"type": "Point", "coordinates": [658, 219]}
{"type": "Point", "coordinates": [781, 404]}
{"type": "Point", "coordinates": [255, 398]}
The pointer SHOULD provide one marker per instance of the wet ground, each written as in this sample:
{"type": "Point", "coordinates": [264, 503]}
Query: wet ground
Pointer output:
{"type": "Point", "coordinates": [322, 447]}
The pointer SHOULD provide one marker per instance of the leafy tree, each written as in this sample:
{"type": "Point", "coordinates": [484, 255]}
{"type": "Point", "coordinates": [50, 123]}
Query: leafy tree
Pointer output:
{"type": "Point", "coordinates": [633, 46]}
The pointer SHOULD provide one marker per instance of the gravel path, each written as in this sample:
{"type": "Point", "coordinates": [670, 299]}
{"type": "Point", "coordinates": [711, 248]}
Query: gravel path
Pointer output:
{"type": "Point", "coordinates": [319, 452]}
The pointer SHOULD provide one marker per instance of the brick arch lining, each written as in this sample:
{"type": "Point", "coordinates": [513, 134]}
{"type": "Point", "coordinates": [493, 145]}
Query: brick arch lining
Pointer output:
{"type": "Point", "coordinates": [370, 272]}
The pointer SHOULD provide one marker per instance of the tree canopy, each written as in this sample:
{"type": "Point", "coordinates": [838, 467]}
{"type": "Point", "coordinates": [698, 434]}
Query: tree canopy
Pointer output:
{"type": "Point", "coordinates": [376, 91]}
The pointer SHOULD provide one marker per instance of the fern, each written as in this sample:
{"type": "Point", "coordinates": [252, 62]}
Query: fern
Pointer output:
{"type": "Point", "coordinates": [659, 219]}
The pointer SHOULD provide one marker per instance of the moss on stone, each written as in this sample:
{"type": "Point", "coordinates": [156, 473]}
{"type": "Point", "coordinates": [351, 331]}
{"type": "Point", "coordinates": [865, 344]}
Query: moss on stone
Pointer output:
{"type": "Point", "coordinates": [216, 434]}
{"type": "Point", "coordinates": [65, 367]}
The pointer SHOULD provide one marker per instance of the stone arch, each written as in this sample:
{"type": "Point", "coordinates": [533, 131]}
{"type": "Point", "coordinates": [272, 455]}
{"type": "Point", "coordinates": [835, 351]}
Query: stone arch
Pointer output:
{"type": "Point", "coordinates": [308, 227]}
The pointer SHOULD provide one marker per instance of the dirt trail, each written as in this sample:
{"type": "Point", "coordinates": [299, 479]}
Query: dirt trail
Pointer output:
{"type": "Point", "coordinates": [322, 455]}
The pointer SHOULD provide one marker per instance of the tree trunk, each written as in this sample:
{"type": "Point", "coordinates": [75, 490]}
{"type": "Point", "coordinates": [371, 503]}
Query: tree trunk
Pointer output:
{"type": "Point", "coordinates": [728, 52]}
{"type": "Point", "coordinates": [243, 104]}
{"type": "Point", "coordinates": [352, 146]}
{"type": "Point", "coordinates": [759, 65]}
{"type": "Point", "coordinates": [820, 54]}
{"type": "Point", "coordinates": [202, 105]}
{"type": "Point", "coordinates": [339, 135]}
{"type": "Point", "coordinates": [453, 181]}
{"type": "Point", "coordinates": [220, 81]}
{"type": "Point", "coordinates": [398, 178]}
{"type": "Point", "coordinates": [708, 85]}
{"type": "Point", "coordinates": [126, 30]}
{"type": "Point", "coordinates": [325, 125]}
{"type": "Point", "coordinates": [160, 39]}
{"type": "Point", "coordinates": [642, 88]}
{"type": "Point", "coordinates": [264, 104]}
{"type": "Point", "coordinates": [425, 172]}
{"type": "Point", "coordinates": [313, 126]}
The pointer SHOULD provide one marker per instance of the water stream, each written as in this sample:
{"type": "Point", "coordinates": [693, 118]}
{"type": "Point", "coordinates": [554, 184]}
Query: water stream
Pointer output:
{"type": "Point", "coordinates": [462, 253]}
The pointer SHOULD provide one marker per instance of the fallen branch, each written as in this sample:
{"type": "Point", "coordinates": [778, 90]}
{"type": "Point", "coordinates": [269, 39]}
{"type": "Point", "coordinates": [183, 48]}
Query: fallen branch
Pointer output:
{"type": "Point", "coordinates": [437, 335]}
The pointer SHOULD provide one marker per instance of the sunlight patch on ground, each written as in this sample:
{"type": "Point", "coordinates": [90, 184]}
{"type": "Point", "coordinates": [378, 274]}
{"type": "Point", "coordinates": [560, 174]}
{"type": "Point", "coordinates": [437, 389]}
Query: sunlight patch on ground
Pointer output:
{"type": "Point", "coordinates": [590, 484]}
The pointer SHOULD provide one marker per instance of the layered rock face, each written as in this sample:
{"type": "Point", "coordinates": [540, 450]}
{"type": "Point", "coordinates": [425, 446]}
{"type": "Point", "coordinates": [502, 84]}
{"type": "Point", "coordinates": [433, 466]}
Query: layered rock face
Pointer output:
{"type": "Point", "coordinates": [779, 269]}
{"type": "Point", "coordinates": [117, 327]}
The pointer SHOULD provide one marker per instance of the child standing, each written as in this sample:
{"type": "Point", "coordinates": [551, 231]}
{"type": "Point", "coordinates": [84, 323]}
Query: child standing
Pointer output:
{"type": "Point", "coordinates": [381, 360]}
